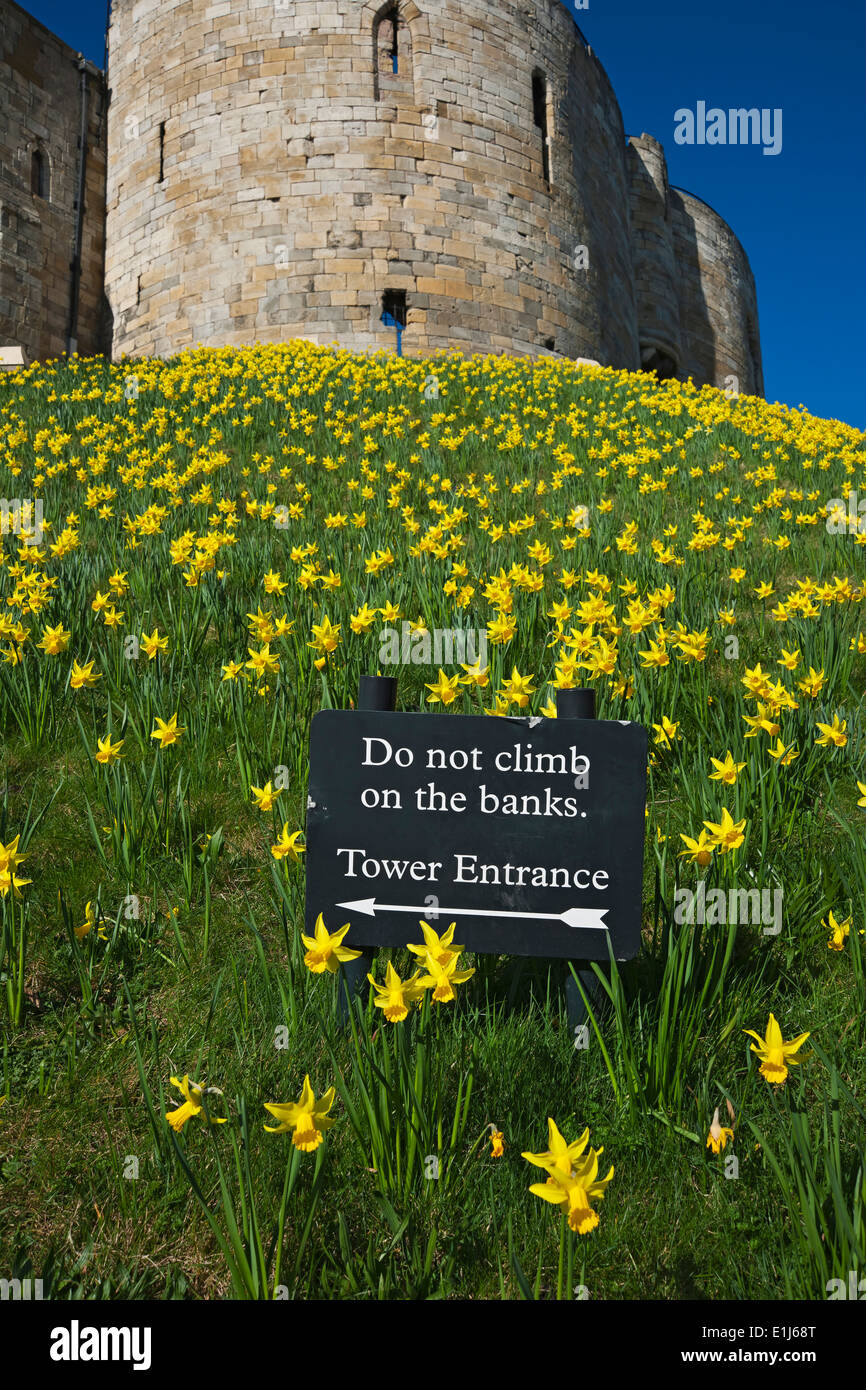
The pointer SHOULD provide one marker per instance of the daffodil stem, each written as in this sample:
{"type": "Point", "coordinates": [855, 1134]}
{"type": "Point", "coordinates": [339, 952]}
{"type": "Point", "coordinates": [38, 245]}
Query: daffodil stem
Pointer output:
{"type": "Point", "coordinates": [563, 1232]}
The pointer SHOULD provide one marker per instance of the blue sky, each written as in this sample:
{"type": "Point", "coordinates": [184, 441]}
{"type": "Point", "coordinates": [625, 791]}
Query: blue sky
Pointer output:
{"type": "Point", "coordinates": [800, 214]}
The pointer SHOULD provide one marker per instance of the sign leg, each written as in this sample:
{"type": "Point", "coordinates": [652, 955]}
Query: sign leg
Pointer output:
{"type": "Point", "coordinates": [575, 1007]}
{"type": "Point", "coordinates": [578, 704]}
{"type": "Point", "coordinates": [353, 984]}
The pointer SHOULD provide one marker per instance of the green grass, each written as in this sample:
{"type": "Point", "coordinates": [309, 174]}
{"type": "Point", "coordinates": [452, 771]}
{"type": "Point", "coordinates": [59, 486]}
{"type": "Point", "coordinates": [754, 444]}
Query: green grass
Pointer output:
{"type": "Point", "coordinates": [203, 963]}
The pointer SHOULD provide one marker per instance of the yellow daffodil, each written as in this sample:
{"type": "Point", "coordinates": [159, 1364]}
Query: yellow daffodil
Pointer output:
{"type": "Point", "coordinates": [91, 917]}
{"type": "Point", "coordinates": [83, 675]}
{"type": "Point", "coordinates": [442, 978]}
{"type": "Point", "coordinates": [718, 1136]}
{"type": "Point", "coordinates": [839, 931]}
{"type": "Point", "coordinates": [325, 637]}
{"type": "Point", "coordinates": [193, 1095]}
{"type": "Point", "coordinates": [287, 846]}
{"type": "Point", "coordinates": [699, 851]}
{"type": "Point", "coordinates": [444, 690]}
{"type": "Point", "coordinates": [576, 1192]}
{"type": "Point", "coordinates": [561, 1156]}
{"type": "Point", "coordinates": [834, 733]}
{"type": "Point", "coordinates": [263, 662]}
{"type": "Point", "coordinates": [108, 752]}
{"type": "Point", "coordinates": [324, 948]}
{"type": "Point", "coordinates": [775, 1054]}
{"type": "Point", "coordinates": [396, 996]}
{"type": "Point", "coordinates": [168, 732]}
{"type": "Point", "coordinates": [726, 835]}
{"type": "Point", "coordinates": [307, 1117]}
{"type": "Point", "coordinates": [726, 770]}
{"type": "Point", "coordinates": [813, 684]}
{"type": "Point", "coordinates": [439, 948]}
{"type": "Point", "coordinates": [666, 732]}
{"type": "Point", "coordinates": [264, 797]}
{"type": "Point", "coordinates": [517, 689]}
{"type": "Point", "coordinates": [154, 644]}
{"type": "Point", "coordinates": [55, 640]}
{"type": "Point", "coordinates": [783, 754]}
{"type": "Point", "coordinates": [476, 674]}
{"type": "Point", "coordinates": [9, 861]}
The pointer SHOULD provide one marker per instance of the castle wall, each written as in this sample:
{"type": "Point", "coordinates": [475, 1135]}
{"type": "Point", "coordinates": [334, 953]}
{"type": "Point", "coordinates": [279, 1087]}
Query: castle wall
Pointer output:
{"type": "Point", "coordinates": [718, 301]}
{"type": "Point", "coordinates": [272, 172]}
{"type": "Point", "coordinates": [40, 110]}
{"type": "Point", "coordinates": [696, 302]}
{"type": "Point", "coordinates": [655, 268]}
{"type": "Point", "coordinates": [300, 183]}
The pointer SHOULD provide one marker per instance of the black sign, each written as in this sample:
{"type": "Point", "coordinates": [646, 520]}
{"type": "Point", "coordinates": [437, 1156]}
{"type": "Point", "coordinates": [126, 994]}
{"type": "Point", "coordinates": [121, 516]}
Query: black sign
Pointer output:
{"type": "Point", "coordinates": [528, 833]}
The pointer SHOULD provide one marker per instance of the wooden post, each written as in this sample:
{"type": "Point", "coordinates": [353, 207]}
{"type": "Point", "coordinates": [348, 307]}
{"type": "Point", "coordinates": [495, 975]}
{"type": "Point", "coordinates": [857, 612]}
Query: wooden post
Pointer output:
{"type": "Point", "coordinates": [578, 704]}
{"type": "Point", "coordinates": [374, 693]}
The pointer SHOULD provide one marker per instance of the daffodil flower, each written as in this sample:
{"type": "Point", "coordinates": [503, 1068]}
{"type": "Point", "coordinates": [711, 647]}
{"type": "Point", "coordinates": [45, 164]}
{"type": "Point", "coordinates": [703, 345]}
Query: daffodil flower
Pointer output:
{"type": "Point", "coordinates": [9, 861]}
{"type": "Point", "coordinates": [168, 732]}
{"type": "Point", "coordinates": [444, 690]}
{"type": "Point", "coordinates": [324, 949]}
{"type": "Point", "coordinates": [306, 1117]}
{"type": "Point", "coordinates": [726, 770]}
{"type": "Point", "coordinates": [264, 797]}
{"type": "Point", "coordinates": [839, 931]}
{"type": "Point", "coordinates": [442, 978]}
{"type": "Point", "coordinates": [775, 1054]}
{"type": "Point", "coordinates": [576, 1191]}
{"type": "Point", "coordinates": [396, 996]}
{"type": "Point", "coordinates": [835, 733]}
{"type": "Point", "coordinates": [83, 675]}
{"type": "Point", "coordinates": [154, 644]}
{"type": "Point", "coordinates": [91, 917]}
{"type": "Point", "coordinates": [440, 948]}
{"type": "Point", "coordinates": [666, 732]}
{"type": "Point", "coordinates": [287, 846]}
{"type": "Point", "coordinates": [718, 1135]}
{"type": "Point", "coordinates": [726, 835]}
{"type": "Point", "coordinates": [699, 851]}
{"type": "Point", "coordinates": [561, 1156]}
{"type": "Point", "coordinates": [106, 751]}
{"type": "Point", "coordinates": [193, 1103]}
{"type": "Point", "coordinates": [54, 640]}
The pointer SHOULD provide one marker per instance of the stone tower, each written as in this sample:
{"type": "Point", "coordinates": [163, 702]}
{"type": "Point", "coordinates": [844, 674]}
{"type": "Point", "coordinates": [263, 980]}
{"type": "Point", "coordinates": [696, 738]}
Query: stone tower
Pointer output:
{"type": "Point", "coordinates": [697, 308]}
{"type": "Point", "coordinates": [302, 168]}
{"type": "Point", "coordinates": [285, 169]}
{"type": "Point", "coordinates": [52, 191]}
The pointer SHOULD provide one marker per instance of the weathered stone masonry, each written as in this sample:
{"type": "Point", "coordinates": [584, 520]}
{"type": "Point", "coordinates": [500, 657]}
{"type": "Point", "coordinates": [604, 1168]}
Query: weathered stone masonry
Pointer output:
{"type": "Point", "coordinates": [43, 84]}
{"type": "Point", "coordinates": [291, 167]}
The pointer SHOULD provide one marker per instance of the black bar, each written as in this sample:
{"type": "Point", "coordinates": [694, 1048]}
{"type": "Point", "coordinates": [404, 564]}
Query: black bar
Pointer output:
{"type": "Point", "coordinates": [377, 692]}
{"type": "Point", "coordinates": [578, 704]}
{"type": "Point", "coordinates": [374, 693]}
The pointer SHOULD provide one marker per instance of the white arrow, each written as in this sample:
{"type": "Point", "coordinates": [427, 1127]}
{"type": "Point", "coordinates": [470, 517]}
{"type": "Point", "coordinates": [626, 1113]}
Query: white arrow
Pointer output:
{"type": "Point", "coordinates": [587, 917]}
